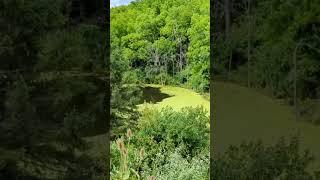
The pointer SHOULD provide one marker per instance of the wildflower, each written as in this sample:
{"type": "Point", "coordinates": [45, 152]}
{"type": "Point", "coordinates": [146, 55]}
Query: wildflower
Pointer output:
{"type": "Point", "coordinates": [129, 133]}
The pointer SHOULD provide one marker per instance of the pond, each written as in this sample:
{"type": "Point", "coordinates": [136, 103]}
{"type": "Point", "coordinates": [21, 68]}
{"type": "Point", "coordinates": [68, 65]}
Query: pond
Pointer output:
{"type": "Point", "coordinates": [240, 114]}
{"type": "Point", "coordinates": [160, 96]}
{"type": "Point", "coordinates": [245, 114]}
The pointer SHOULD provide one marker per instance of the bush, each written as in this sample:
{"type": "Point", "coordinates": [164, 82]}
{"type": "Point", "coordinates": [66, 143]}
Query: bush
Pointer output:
{"type": "Point", "coordinates": [171, 128]}
{"type": "Point", "coordinates": [165, 79]}
{"type": "Point", "coordinates": [309, 110]}
{"type": "Point", "coordinates": [283, 160]}
{"type": "Point", "coordinates": [126, 160]}
{"type": "Point", "coordinates": [198, 77]}
{"type": "Point", "coordinates": [130, 77]}
{"type": "Point", "coordinates": [175, 145]}
{"type": "Point", "coordinates": [180, 168]}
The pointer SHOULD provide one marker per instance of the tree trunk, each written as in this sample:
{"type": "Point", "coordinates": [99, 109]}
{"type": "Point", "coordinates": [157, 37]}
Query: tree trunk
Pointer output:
{"type": "Point", "coordinates": [249, 42]}
{"type": "Point", "coordinates": [230, 64]}
{"type": "Point", "coordinates": [180, 54]}
{"type": "Point", "coordinates": [295, 80]}
{"type": "Point", "coordinates": [227, 16]}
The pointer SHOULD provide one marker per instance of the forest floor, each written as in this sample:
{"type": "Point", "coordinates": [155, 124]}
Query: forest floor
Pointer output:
{"type": "Point", "coordinates": [249, 115]}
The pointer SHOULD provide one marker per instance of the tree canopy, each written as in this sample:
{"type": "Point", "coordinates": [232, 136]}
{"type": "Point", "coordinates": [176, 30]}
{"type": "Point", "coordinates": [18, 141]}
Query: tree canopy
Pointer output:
{"type": "Point", "coordinates": [164, 41]}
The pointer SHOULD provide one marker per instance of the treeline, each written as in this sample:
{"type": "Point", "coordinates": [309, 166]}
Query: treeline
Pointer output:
{"type": "Point", "coordinates": [163, 41]}
{"type": "Point", "coordinates": [53, 80]}
{"type": "Point", "coordinates": [272, 45]}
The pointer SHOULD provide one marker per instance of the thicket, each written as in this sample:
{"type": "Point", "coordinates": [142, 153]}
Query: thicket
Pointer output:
{"type": "Point", "coordinates": [166, 144]}
{"type": "Point", "coordinates": [284, 160]}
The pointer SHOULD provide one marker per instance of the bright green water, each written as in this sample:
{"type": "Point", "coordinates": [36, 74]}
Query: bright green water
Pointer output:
{"type": "Point", "coordinates": [175, 97]}
{"type": "Point", "coordinates": [244, 114]}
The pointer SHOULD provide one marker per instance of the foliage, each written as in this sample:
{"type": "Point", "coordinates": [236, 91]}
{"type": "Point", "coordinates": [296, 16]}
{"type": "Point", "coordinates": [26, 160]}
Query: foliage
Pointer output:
{"type": "Point", "coordinates": [253, 160]}
{"type": "Point", "coordinates": [178, 167]}
{"type": "Point", "coordinates": [187, 127]}
{"type": "Point", "coordinates": [167, 145]}
{"type": "Point", "coordinates": [163, 39]}
{"type": "Point", "coordinates": [277, 31]}
{"type": "Point", "coordinates": [128, 160]}
{"type": "Point", "coordinates": [52, 89]}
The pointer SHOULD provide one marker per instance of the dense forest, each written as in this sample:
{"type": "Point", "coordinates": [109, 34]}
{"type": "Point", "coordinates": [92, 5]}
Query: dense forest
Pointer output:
{"type": "Point", "coordinates": [272, 46]}
{"type": "Point", "coordinates": [165, 42]}
{"type": "Point", "coordinates": [52, 94]}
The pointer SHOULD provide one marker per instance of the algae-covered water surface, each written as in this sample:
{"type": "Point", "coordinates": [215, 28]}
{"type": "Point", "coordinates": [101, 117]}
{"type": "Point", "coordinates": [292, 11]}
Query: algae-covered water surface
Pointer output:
{"type": "Point", "coordinates": [175, 97]}
{"type": "Point", "coordinates": [245, 114]}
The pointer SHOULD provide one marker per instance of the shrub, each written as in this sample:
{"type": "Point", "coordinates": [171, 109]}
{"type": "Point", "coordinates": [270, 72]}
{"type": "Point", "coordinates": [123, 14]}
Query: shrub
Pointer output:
{"type": "Point", "coordinates": [165, 79]}
{"type": "Point", "coordinates": [126, 159]}
{"type": "Point", "coordinates": [130, 77]}
{"type": "Point", "coordinates": [180, 168]}
{"type": "Point", "coordinates": [171, 128]}
{"type": "Point", "coordinates": [309, 110]}
{"type": "Point", "coordinates": [175, 146]}
{"type": "Point", "coordinates": [254, 160]}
